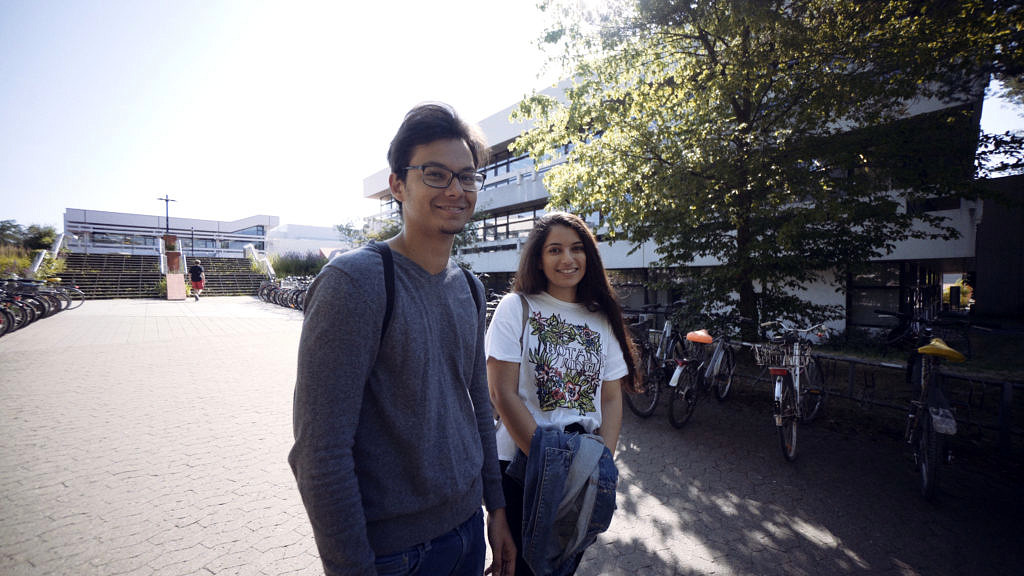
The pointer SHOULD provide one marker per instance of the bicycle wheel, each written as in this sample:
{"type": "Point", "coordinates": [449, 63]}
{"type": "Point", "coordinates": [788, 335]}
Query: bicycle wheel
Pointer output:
{"type": "Point", "coordinates": [60, 296]}
{"type": "Point", "coordinates": [723, 380]}
{"type": "Point", "coordinates": [266, 291]}
{"type": "Point", "coordinates": [683, 399]}
{"type": "Point", "coordinates": [42, 307]}
{"type": "Point", "coordinates": [30, 312]}
{"type": "Point", "coordinates": [644, 403]}
{"type": "Point", "coordinates": [22, 314]}
{"type": "Point", "coordinates": [813, 394]}
{"type": "Point", "coordinates": [7, 323]}
{"type": "Point", "coordinates": [789, 422]}
{"type": "Point", "coordinates": [52, 303]}
{"type": "Point", "coordinates": [76, 295]}
{"type": "Point", "coordinates": [929, 452]}
{"type": "Point", "coordinates": [676, 348]}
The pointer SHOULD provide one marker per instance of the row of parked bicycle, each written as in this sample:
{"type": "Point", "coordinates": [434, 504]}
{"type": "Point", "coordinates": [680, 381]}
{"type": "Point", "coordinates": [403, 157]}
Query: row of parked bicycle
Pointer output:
{"type": "Point", "coordinates": [693, 364]}
{"type": "Point", "coordinates": [289, 292]}
{"type": "Point", "coordinates": [22, 302]}
{"type": "Point", "coordinates": [690, 366]}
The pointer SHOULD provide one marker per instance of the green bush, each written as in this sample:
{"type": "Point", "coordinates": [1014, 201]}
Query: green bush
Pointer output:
{"type": "Point", "coordinates": [296, 264]}
{"type": "Point", "coordinates": [50, 267]}
{"type": "Point", "coordinates": [14, 260]}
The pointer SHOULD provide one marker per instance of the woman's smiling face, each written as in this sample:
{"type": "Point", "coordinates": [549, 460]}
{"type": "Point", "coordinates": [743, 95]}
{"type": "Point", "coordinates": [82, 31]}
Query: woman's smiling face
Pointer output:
{"type": "Point", "coordinates": [564, 262]}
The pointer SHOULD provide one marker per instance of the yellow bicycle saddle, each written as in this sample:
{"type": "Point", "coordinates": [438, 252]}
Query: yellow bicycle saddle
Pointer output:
{"type": "Point", "coordinates": [700, 336]}
{"type": "Point", "coordinates": [939, 348]}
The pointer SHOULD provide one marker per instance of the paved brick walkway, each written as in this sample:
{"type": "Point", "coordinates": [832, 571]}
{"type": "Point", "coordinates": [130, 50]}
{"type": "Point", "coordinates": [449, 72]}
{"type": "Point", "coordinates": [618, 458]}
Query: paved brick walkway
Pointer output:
{"type": "Point", "coordinates": [149, 437]}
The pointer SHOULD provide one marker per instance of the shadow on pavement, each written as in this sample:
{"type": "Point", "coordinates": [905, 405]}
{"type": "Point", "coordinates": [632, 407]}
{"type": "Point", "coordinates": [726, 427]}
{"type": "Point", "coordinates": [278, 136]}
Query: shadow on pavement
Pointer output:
{"type": "Point", "coordinates": [718, 497]}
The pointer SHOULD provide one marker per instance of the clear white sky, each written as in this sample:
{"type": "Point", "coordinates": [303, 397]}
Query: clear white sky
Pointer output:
{"type": "Point", "coordinates": [236, 107]}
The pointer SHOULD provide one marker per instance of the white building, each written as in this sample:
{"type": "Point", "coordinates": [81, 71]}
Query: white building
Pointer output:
{"type": "Point", "coordinates": [300, 239]}
{"type": "Point", "coordinates": [100, 232]}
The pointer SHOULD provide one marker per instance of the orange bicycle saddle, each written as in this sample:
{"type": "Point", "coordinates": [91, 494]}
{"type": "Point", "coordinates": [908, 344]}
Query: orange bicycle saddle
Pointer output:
{"type": "Point", "coordinates": [700, 336]}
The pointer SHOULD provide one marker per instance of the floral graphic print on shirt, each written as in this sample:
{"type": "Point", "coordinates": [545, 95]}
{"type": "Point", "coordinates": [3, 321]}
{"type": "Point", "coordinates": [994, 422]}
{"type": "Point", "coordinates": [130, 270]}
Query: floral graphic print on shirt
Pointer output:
{"type": "Point", "coordinates": [567, 363]}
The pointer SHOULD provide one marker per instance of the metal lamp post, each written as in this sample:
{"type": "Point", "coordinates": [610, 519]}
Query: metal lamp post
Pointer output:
{"type": "Point", "coordinates": [167, 212]}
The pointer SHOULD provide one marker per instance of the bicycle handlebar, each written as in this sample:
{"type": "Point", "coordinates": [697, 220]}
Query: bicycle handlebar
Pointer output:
{"type": "Point", "coordinates": [926, 321]}
{"type": "Point", "coordinates": [789, 327]}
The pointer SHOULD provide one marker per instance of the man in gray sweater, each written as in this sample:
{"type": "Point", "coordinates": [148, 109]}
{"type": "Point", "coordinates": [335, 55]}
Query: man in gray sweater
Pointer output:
{"type": "Point", "coordinates": [394, 439]}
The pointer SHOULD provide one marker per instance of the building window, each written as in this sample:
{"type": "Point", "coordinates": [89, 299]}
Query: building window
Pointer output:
{"type": "Point", "coordinates": [252, 231]}
{"type": "Point", "coordinates": [876, 288]}
{"type": "Point", "coordinates": [107, 238]}
{"type": "Point", "coordinates": [506, 226]}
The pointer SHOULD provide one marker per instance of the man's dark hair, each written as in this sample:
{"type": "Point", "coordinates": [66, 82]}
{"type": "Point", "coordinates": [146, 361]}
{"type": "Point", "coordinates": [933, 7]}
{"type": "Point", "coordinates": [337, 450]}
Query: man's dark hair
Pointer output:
{"type": "Point", "coordinates": [428, 123]}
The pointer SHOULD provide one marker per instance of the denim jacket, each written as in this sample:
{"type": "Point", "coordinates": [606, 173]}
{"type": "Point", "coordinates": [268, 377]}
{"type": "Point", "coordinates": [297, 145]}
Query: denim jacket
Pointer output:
{"type": "Point", "coordinates": [569, 497]}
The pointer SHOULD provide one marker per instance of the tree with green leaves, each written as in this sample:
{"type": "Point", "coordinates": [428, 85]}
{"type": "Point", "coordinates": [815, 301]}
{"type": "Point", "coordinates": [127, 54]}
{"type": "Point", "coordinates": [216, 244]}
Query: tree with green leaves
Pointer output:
{"type": "Point", "coordinates": [39, 237]}
{"type": "Point", "coordinates": [11, 233]}
{"type": "Point", "coordinates": [771, 138]}
{"type": "Point", "coordinates": [386, 228]}
{"type": "Point", "coordinates": [348, 232]}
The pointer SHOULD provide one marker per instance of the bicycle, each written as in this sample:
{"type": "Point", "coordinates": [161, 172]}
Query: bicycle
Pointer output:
{"type": "Point", "coordinates": [28, 294]}
{"type": "Point", "coordinates": [23, 301]}
{"type": "Point", "coordinates": [60, 297]}
{"type": "Point", "coordinates": [710, 364]}
{"type": "Point", "coordinates": [799, 392]}
{"type": "Point", "coordinates": [657, 350]}
{"type": "Point", "coordinates": [930, 420]}
{"type": "Point", "coordinates": [289, 292]}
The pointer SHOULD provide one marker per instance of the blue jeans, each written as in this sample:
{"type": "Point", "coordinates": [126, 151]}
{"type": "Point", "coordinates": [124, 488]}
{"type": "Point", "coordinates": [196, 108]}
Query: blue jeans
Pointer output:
{"type": "Point", "coordinates": [458, 552]}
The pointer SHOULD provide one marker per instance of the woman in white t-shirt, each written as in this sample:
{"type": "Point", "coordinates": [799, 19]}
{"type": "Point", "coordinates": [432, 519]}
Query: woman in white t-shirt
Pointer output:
{"type": "Point", "coordinates": [567, 366]}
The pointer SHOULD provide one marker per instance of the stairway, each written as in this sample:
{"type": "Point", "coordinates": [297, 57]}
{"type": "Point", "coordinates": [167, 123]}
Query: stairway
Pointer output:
{"type": "Point", "coordinates": [229, 277]}
{"type": "Point", "coordinates": [104, 276]}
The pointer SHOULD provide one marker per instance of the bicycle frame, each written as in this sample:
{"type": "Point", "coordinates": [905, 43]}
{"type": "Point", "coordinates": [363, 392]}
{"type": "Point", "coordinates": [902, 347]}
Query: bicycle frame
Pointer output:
{"type": "Point", "coordinates": [793, 372]}
{"type": "Point", "coordinates": [930, 420]}
{"type": "Point", "coordinates": [668, 357]}
{"type": "Point", "coordinates": [714, 363]}
{"type": "Point", "coordinates": [787, 359]}
{"type": "Point", "coordinates": [662, 353]}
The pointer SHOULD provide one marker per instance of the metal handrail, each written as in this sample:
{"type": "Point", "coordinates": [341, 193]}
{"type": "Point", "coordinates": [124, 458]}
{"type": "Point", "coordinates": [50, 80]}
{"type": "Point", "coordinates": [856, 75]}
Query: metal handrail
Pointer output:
{"type": "Point", "coordinates": [1003, 426]}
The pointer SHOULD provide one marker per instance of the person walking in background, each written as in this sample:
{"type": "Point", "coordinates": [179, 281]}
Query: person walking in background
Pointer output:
{"type": "Point", "coordinates": [197, 275]}
{"type": "Point", "coordinates": [560, 373]}
{"type": "Point", "coordinates": [394, 439]}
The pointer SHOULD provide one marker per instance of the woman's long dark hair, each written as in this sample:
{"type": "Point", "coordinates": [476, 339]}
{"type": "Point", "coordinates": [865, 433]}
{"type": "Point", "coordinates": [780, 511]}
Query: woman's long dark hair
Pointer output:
{"type": "Point", "coordinates": [594, 291]}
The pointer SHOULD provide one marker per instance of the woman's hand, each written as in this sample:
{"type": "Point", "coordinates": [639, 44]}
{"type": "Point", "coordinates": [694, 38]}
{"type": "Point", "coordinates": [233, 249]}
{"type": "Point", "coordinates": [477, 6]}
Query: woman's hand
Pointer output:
{"type": "Point", "coordinates": [503, 382]}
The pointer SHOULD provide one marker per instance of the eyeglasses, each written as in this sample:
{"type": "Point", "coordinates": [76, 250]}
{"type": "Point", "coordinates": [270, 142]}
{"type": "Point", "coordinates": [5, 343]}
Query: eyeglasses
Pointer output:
{"type": "Point", "coordinates": [440, 177]}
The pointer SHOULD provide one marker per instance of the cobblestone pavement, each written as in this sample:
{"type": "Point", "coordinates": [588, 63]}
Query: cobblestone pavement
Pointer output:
{"type": "Point", "coordinates": [147, 437]}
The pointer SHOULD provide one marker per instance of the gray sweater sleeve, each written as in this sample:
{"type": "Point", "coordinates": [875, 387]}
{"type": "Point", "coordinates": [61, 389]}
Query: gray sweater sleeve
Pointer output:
{"type": "Point", "coordinates": [494, 497]}
{"type": "Point", "coordinates": [334, 362]}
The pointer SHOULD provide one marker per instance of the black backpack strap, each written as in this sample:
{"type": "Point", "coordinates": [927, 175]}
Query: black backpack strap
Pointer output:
{"type": "Point", "coordinates": [472, 287]}
{"type": "Point", "coordinates": [389, 282]}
